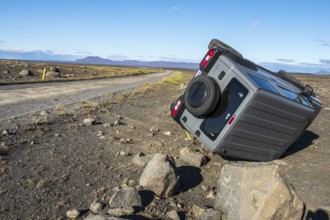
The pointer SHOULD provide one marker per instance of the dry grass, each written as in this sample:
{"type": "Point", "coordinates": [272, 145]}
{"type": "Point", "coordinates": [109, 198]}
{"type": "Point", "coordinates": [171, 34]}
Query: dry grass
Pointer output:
{"type": "Point", "coordinates": [176, 78]}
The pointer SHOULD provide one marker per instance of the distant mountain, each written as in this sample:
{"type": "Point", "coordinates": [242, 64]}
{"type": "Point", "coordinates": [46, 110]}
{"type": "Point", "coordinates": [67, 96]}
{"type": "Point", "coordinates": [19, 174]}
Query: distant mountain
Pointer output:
{"type": "Point", "coordinates": [155, 64]}
{"type": "Point", "coordinates": [322, 72]}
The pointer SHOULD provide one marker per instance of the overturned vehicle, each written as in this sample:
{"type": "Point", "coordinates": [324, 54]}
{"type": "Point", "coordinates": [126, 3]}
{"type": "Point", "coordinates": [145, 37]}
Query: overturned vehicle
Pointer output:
{"type": "Point", "coordinates": [241, 110]}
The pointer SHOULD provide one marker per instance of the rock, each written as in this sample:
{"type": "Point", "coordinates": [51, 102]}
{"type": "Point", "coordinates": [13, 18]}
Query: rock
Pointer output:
{"type": "Point", "coordinates": [127, 198]}
{"type": "Point", "coordinates": [211, 214]}
{"type": "Point", "coordinates": [44, 113]}
{"type": "Point", "coordinates": [100, 217]}
{"type": "Point", "coordinates": [5, 132]}
{"type": "Point", "coordinates": [69, 75]}
{"type": "Point", "coordinates": [52, 74]}
{"type": "Point", "coordinates": [96, 207]}
{"type": "Point", "coordinates": [197, 211]}
{"type": "Point", "coordinates": [123, 153]}
{"type": "Point", "coordinates": [26, 72]}
{"type": "Point", "coordinates": [173, 215]}
{"type": "Point", "coordinates": [73, 213]}
{"type": "Point", "coordinates": [6, 72]}
{"type": "Point", "coordinates": [141, 159]}
{"type": "Point", "coordinates": [54, 69]}
{"type": "Point", "coordinates": [89, 121]}
{"type": "Point", "coordinates": [118, 123]}
{"type": "Point", "coordinates": [192, 157]}
{"type": "Point", "coordinates": [160, 176]}
{"type": "Point", "coordinates": [211, 195]}
{"type": "Point", "coordinates": [167, 133]}
{"type": "Point", "coordinates": [118, 212]}
{"type": "Point", "coordinates": [256, 192]}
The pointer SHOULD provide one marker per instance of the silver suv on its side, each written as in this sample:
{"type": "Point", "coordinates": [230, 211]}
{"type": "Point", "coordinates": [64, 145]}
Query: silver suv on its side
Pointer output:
{"type": "Point", "coordinates": [241, 110]}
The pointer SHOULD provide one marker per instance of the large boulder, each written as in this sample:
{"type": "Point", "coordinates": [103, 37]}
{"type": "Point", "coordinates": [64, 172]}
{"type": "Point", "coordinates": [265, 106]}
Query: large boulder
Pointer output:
{"type": "Point", "coordinates": [256, 192]}
{"type": "Point", "coordinates": [160, 176]}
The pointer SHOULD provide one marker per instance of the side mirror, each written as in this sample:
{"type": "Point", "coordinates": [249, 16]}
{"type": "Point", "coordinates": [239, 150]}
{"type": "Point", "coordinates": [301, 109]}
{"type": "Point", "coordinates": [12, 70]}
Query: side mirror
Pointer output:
{"type": "Point", "coordinates": [307, 91]}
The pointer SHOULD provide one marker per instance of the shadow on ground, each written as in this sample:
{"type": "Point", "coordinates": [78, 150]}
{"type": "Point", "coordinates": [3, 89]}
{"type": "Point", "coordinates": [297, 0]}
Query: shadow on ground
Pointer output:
{"type": "Point", "coordinates": [190, 177]}
{"type": "Point", "coordinates": [319, 214]}
{"type": "Point", "coordinates": [305, 141]}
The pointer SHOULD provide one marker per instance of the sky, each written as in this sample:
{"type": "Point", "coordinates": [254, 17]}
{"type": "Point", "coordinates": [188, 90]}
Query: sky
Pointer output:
{"type": "Point", "coordinates": [293, 34]}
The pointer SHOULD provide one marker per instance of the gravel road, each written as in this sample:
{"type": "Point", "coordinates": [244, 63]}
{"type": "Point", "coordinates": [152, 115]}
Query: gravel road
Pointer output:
{"type": "Point", "coordinates": [17, 100]}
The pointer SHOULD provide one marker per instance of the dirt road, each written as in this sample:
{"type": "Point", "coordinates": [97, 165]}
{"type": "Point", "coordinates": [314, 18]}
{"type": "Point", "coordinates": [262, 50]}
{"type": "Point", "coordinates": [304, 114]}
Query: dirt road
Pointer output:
{"type": "Point", "coordinates": [16, 100]}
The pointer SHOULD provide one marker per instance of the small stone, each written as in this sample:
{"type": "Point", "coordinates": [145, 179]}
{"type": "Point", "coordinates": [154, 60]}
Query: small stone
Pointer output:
{"type": "Point", "coordinates": [44, 113]}
{"type": "Point", "coordinates": [52, 74]}
{"type": "Point", "coordinates": [167, 133]}
{"type": "Point", "coordinates": [173, 215]}
{"type": "Point", "coordinates": [89, 121]}
{"type": "Point", "coordinates": [99, 133]}
{"type": "Point", "coordinates": [2, 144]}
{"type": "Point", "coordinates": [41, 183]}
{"type": "Point", "coordinates": [5, 132]}
{"type": "Point", "coordinates": [73, 213]}
{"type": "Point", "coordinates": [118, 122]}
{"type": "Point", "coordinates": [205, 188]}
{"type": "Point", "coordinates": [106, 125]}
{"type": "Point", "coordinates": [197, 211]}
{"type": "Point", "coordinates": [123, 153]}
{"type": "Point", "coordinates": [126, 197]}
{"type": "Point", "coordinates": [118, 212]}
{"type": "Point", "coordinates": [211, 195]}
{"type": "Point", "coordinates": [26, 72]}
{"type": "Point", "coordinates": [154, 129]}
{"type": "Point", "coordinates": [192, 157]}
{"type": "Point", "coordinates": [96, 207]}
{"type": "Point", "coordinates": [129, 141]}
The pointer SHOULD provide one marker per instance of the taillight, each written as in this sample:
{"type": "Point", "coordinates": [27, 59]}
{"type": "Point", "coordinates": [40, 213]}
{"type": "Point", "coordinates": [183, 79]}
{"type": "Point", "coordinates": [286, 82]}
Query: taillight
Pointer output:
{"type": "Point", "coordinates": [176, 108]}
{"type": "Point", "coordinates": [207, 58]}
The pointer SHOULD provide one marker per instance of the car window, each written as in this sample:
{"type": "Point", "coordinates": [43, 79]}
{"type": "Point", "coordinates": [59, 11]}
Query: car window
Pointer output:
{"type": "Point", "coordinates": [294, 96]}
{"type": "Point", "coordinates": [263, 84]}
{"type": "Point", "coordinates": [231, 98]}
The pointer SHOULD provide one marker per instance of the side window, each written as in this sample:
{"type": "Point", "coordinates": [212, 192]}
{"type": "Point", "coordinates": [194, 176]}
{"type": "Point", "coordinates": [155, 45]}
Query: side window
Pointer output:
{"type": "Point", "coordinates": [263, 84]}
{"type": "Point", "coordinates": [293, 96]}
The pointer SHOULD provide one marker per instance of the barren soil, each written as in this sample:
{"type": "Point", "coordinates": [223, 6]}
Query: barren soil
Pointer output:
{"type": "Point", "coordinates": [52, 163]}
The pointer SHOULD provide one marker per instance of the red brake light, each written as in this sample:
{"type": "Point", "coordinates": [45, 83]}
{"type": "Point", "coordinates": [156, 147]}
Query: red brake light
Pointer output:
{"type": "Point", "coordinates": [231, 120]}
{"type": "Point", "coordinates": [176, 108]}
{"type": "Point", "coordinates": [207, 58]}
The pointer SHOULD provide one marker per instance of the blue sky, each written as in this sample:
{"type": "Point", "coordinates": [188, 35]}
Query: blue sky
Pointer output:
{"type": "Point", "coordinates": [289, 33]}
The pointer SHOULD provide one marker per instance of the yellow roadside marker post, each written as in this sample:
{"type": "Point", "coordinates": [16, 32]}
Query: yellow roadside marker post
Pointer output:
{"type": "Point", "coordinates": [188, 134]}
{"type": "Point", "coordinates": [43, 74]}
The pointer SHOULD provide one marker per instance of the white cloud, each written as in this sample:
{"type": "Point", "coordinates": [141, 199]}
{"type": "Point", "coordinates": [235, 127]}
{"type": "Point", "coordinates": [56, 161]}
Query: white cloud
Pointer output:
{"type": "Point", "coordinates": [286, 60]}
{"type": "Point", "coordinates": [174, 8]}
{"type": "Point", "coordinates": [255, 24]}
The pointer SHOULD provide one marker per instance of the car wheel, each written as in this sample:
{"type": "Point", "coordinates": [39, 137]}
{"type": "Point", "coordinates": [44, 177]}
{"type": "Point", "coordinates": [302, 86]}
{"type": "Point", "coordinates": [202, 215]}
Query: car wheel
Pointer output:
{"type": "Point", "coordinates": [290, 78]}
{"type": "Point", "coordinates": [217, 43]}
{"type": "Point", "coordinates": [202, 96]}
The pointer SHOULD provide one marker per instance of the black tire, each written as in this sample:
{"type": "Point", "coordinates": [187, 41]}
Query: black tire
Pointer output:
{"type": "Point", "coordinates": [291, 79]}
{"type": "Point", "coordinates": [202, 96]}
{"type": "Point", "coordinates": [217, 43]}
